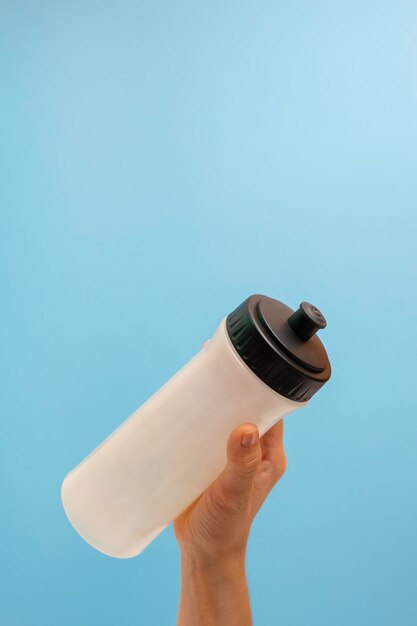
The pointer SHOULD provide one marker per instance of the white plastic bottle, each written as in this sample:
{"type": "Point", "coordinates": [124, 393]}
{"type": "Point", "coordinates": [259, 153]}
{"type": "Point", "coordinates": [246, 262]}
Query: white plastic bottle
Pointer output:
{"type": "Point", "coordinates": [262, 363]}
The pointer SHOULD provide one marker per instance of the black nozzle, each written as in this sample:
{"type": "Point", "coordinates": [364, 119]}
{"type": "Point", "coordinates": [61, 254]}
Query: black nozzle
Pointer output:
{"type": "Point", "coordinates": [306, 321]}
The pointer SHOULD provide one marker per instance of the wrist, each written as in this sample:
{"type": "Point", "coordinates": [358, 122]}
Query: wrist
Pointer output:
{"type": "Point", "coordinates": [201, 561]}
{"type": "Point", "coordinates": [213, 555]}
{"type": "Point", "coordinates": [215, 572]}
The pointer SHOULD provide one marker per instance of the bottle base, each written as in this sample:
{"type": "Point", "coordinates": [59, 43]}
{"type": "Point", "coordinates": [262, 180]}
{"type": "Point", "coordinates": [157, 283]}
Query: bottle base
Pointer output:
{"type": "Point", "coordinates": [127, 553]}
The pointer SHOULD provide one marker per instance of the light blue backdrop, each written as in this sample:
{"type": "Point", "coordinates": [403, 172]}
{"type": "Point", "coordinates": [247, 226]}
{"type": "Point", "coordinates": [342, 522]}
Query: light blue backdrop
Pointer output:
{"type": "Point", "coordinates": [159, 163]}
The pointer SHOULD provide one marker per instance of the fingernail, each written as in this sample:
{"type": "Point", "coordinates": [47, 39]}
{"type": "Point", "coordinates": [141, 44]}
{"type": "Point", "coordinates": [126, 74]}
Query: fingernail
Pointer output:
{"type": "Point", "coordinates": [249, 439]}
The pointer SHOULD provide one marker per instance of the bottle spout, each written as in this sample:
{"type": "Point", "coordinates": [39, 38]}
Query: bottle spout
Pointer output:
{"type": "Point", "coordinates": [306, 321]}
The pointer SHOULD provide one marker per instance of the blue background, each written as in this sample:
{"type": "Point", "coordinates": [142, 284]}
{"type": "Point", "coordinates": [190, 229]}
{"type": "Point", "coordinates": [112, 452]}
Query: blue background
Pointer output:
{"type": "Point", "coordinates": [159, 163]}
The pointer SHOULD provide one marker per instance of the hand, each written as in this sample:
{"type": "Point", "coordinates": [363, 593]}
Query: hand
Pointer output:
{"type": "Point", "coordinates": [216, 525]}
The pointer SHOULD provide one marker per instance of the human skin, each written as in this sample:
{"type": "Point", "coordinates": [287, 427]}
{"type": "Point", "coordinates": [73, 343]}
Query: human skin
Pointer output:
{"type": "Point", "coordinates": [213, 531]}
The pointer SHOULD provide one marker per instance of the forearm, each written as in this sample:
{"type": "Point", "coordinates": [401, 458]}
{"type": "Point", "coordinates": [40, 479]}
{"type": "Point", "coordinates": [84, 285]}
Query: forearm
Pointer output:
{"type": "Point", "coordinates": [214, 593]}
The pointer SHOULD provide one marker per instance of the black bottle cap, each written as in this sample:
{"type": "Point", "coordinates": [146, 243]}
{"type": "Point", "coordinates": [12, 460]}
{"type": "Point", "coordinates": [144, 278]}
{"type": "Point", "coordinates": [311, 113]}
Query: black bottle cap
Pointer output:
{"type": "Point", "coordinates": [280, 345]}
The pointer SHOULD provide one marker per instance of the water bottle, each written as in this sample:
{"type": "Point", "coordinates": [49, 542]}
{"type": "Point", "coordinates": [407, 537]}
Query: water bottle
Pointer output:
{"type": "Point", "coordinates": [263, 361]}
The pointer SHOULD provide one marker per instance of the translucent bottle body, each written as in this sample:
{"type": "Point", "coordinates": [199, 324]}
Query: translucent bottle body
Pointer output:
{"type": "Point", "coordinates": [134, 484]}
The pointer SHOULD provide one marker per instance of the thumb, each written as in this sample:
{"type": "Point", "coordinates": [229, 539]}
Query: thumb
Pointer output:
{"type": "Point", "coordinates": [244, 455]}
